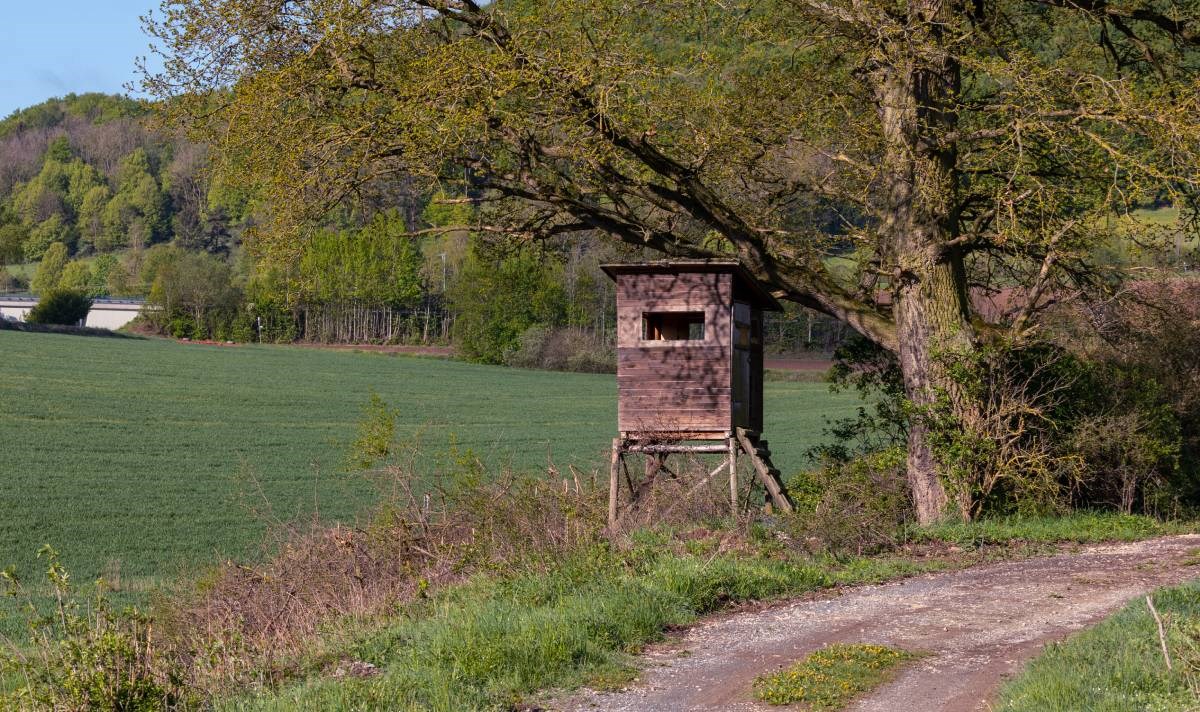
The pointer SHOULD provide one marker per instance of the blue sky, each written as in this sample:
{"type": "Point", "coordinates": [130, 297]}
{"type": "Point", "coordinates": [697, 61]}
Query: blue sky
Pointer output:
{"type": "Point", "coordinates": [55, 47]}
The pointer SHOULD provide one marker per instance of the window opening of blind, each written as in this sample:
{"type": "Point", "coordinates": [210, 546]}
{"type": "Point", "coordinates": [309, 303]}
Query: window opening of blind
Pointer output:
{"type": "Point", "coordinates": [673, 326]}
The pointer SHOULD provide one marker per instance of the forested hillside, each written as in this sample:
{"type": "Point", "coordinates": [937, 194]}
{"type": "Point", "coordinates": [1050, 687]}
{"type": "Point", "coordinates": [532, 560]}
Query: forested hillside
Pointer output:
{"type": "Point", "coordinates": [94, 198]}
{"type": "Point", "coordinates": [83, 178]}
{"type": "Point", "coordinates": [85, 171]}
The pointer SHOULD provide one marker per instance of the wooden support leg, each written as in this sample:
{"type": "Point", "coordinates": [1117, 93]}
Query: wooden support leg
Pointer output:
{"type": "Point", "coordinates": [614, 468]}
{"type": "Point", "coordinates": [733, 479]}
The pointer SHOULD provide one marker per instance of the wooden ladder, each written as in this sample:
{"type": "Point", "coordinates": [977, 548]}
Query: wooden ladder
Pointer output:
{"type": "Point", "coordinates": [760, 456]}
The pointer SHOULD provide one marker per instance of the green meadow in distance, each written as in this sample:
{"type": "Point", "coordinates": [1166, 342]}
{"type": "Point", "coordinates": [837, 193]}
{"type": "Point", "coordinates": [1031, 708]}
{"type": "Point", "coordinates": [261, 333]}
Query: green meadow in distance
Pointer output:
{"type": "Point", "coordinates": [143, 457]}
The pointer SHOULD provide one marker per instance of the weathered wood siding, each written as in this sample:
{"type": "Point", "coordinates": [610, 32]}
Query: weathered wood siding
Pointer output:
{"type": "Point", "coordinates": [674, 386]}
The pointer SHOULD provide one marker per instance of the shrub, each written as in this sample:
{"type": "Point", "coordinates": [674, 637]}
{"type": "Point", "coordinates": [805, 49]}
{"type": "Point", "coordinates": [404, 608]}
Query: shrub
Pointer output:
{"type": "Point", "coordinates": [1150, 338]}
{"type": "Point", "coordinates": [1013, 455]}
{"type": "Point", "coordinates": [60, 306]}
{"type": "Point", "coordinates": [496, 299]}
{"type": "Point", "coordinates": [1126, 455]}
{"type": "Point", "coordinates": [1056, 429]}
{"type": "Point", "coordinates": [857, 506]}
{"type": "Point", "coordinates": [84, 655]}
{"type": "Point", "coordinates": [562, 349]}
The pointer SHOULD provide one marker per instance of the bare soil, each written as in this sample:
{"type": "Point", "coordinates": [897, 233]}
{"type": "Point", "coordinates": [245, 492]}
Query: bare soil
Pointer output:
{"type": "Point", "coordinates": [439, 351]}
{"type": "Point", "coordinates": [797, 364]}
{"type": "Point", "coordinates": [977, 627]}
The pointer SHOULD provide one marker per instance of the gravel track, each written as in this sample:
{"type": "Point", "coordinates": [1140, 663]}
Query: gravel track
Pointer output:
{"type": "Point", "coordinates": [977, 626]}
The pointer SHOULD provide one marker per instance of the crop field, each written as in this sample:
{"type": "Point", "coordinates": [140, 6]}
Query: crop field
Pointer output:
{"type": "Point", "coordinates": [140, 459]}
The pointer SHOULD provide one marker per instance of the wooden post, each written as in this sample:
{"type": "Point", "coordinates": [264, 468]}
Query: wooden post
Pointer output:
{"type": "Point", "coordinates": [614, 467]}
{"type": "Point", "coordinates": [733, 480]}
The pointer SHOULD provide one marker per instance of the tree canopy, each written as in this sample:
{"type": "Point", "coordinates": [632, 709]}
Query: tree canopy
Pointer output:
{"type": "Point", "coordinates": [957, 146]}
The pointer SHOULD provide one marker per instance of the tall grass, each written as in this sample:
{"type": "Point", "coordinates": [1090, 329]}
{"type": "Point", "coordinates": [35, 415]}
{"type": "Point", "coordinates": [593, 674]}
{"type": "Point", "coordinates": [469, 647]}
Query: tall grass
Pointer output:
{"type": "Point", "coordinates": [1118, 665]}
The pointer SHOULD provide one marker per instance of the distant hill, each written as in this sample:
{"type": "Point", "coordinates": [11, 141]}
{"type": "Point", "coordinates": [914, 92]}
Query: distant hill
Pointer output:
{"type": "Point", "coordinates": [89, 172]}
{"type": "Point", "coordinates": [93, 107]}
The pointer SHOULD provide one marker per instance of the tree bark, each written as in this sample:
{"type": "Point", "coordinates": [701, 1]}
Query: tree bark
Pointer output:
{"type": "Point", "coordinates": [915, 94]}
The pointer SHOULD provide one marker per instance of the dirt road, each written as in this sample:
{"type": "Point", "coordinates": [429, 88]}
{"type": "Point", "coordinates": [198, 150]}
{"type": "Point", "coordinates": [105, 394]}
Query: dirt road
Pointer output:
{"type": "Point", "coordinates": [977, 625]}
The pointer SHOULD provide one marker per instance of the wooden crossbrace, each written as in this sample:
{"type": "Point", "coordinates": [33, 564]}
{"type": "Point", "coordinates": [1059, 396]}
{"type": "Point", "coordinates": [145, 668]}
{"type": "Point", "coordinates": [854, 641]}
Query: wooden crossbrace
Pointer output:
{"type": "Point", "coordinates": [656, 453]}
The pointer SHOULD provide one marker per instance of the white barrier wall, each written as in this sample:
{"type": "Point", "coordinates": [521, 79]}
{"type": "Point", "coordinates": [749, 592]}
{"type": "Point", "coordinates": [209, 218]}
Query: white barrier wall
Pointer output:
{"type": "Point", "coordinates": [105, 313]}
{"type": "Point", "coordinates": [112, 315]}
{"type": "Point", "coordinates": [15, 307]}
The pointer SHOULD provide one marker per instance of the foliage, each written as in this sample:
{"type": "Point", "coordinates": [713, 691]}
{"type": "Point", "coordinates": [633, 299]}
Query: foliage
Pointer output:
{"type": "Point", "coordinates": [377, 264]}
{"type": "Point", "coordinates": [86, 171]}
{"type": "Point", "coordinates": [1144, 343]}
{"type": "Point", "coordinates": [84, 655]}
{"type": "Point", "coordinates": [832, 676]}
{"type": "Point", "coordinates": [497, 298]}
{"type": "Point", "coordinates": [1133, 452]}
{"type": "Point", "coordinates": [137, 215]}
{"type": "Point", "coordinates": [68, 307]}
{"type": "Point", "coordinates": [194, 291]}
{"type": "Point", "coordinates": [100, 108]}
{"type": "Point", "coordinates": [12, 241]}
{"type": "Point", "coordinates": [1010, 455]}
{"type": "Point", "coordinates": [50, 269]}
{"type": "Point", "coordinates": [76, 276]}
{"type": "Point", "coordinates": [858, 506]}
{"type": "Point", "coordinates": [1057, 430]}
{"type": "Point", "coordinates": [1118, 665]}
{"type": "Point", "coordinates": [963, 148]}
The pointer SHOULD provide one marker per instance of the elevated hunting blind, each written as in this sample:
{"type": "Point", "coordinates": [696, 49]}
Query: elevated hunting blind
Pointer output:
{"type": "Point", "coordinates": [690, 368]}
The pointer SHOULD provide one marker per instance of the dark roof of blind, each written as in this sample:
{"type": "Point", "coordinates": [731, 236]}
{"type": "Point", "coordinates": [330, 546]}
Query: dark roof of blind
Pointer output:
{"type": "Point", "coordinates": [757, 292]}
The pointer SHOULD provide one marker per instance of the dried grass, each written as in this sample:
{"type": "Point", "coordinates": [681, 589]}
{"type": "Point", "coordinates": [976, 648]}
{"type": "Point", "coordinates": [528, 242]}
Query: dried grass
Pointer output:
{"type": "Point", "coordinates": [247, 624]}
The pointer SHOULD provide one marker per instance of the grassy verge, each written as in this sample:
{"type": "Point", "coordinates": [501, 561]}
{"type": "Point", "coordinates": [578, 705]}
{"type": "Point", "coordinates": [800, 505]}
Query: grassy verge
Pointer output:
{"type": "Point", "coordinates": [832, 676]}
{"type": "Point", "coordinates": [499, 640]}
{"type": "Point", "coordinates": [495, 642]}
{"type": "Point", "coordinates": [1118, 665]}
{"type": "Point", "coordinates": [1079, 528]}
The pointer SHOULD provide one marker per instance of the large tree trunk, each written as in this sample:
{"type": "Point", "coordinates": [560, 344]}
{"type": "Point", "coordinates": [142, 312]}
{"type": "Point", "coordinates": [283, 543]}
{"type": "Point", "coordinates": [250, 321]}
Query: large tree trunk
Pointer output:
{"type": "Point", "coordinates": [930, 301]}
{"type": "Point", "coordinates": [931, 323]}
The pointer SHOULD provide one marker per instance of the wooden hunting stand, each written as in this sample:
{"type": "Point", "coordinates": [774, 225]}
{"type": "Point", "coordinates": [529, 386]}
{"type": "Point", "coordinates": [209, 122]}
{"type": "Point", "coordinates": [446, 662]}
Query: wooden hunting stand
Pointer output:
{"type": "Point", "coordinates": [689, 370]}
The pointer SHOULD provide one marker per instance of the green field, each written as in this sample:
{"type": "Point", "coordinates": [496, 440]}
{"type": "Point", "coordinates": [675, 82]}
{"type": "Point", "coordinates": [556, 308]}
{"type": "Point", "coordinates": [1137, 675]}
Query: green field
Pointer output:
{"type": "Point", "coordinates": [134, 456]}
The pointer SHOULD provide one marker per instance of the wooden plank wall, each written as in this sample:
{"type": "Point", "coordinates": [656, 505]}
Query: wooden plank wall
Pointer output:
{"type": "Point", "coordinates": [674, 386]}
